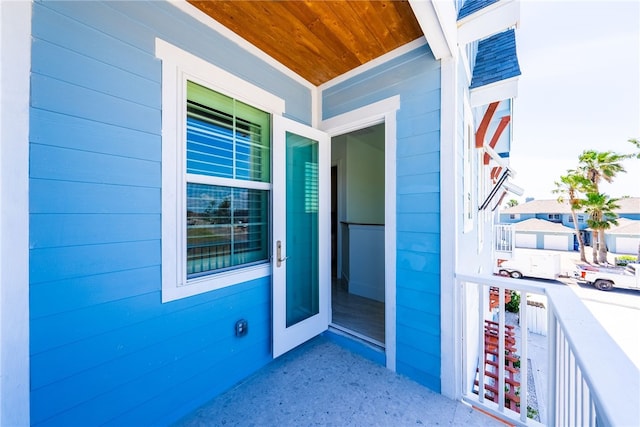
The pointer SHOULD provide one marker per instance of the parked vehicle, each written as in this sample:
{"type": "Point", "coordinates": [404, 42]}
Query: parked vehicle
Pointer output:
{"type": "Point", "coordinates": [607, 278]}
{"type": "Point", "coordinates": [543, 266]}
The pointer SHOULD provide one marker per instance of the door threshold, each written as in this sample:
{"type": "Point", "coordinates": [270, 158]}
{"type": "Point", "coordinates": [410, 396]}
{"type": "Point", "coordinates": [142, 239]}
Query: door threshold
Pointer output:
{"type": "Point", "coordinates": [358, 336]}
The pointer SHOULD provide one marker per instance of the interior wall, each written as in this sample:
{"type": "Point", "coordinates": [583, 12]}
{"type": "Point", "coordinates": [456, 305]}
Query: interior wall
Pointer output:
{"type": "Point", "coordinates": [365, 178]}
{"type": "Point", "coordinates": [359, 157]}
{"type": "Point", "coordinates": [361, 180]}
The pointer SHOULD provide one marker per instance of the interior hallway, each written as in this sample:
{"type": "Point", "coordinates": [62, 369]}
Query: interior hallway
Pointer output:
{"type": "Point", "coordinates": [353, 312]}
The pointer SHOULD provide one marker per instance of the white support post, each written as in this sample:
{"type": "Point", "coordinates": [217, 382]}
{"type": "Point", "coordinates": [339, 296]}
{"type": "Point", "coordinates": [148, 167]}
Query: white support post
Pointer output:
{"type": "Point", "coordinates": [552, 342]}
{"type": "Point", "coordinates": [501, 349]}
{"type": "Point", "coordinates": [15, 68]}
{"type": "Point", "coordinates": [524, 357]}
{"type": "Point", "coordinates": [451, 325]}
{"type": "Point", "coordinates": [481, 356]}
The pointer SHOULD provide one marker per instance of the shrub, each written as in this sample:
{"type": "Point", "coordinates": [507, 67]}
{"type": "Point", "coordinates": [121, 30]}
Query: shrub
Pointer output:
{"type": "Point", "coordinates": [514, 305]}
{"type": "Point", "coordinates": [623, 260]}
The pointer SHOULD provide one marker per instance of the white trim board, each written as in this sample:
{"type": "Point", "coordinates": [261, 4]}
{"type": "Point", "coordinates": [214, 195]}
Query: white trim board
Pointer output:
{"type": "Point", "coordinates": [437, 19]}
{"type": "Point", "coordinates": [380, 112]}
{"type": "Point", "coordinates": [498, 91]}
{"type": "Point", "coordinates": [359, 118]}
{"type": "Point", "coordinates": [450, 330]}
{"type": "Point", "coordinates": [488, 21]}
{"type": "Point", "coordinates": [15, 69]}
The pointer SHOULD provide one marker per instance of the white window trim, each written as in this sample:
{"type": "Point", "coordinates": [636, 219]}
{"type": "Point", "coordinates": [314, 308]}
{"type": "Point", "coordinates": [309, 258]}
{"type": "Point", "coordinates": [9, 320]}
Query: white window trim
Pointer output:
{"type": "Point", "coordinates": [178, 66]}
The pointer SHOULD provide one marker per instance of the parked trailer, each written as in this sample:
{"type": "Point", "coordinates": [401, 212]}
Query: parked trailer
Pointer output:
{"type": "Point", "coordinates": [543, 266]}
{"type": "Point", "coordinates": [607, 278]}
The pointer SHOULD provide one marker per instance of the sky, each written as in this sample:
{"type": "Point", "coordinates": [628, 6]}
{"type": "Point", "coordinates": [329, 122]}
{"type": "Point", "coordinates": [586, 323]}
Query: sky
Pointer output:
{"type": "Point", "coordinates": [579, 90]}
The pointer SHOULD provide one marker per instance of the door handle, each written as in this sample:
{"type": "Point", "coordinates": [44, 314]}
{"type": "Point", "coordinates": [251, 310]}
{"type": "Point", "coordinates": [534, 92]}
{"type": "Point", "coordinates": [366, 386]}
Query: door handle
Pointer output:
{"type": "Point", "coordinates": [279, 259]}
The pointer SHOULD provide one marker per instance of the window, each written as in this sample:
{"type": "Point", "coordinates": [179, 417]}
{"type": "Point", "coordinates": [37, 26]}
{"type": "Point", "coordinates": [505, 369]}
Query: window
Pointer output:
{"type": "Point", "coordinates": [216, 176]}
{"type": "Point", "coordinates": [227, 145]}
{"type": "Point", "coordinates": [554, 217]}
{"type": "Point", "coordinates": [579, 217]}
{"type": "Point", "coordinates": [514, 216]}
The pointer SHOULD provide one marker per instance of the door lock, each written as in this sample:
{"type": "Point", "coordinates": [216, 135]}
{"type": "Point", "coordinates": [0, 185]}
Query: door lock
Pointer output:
{"type": "Point", "coordinates": [279, 259]}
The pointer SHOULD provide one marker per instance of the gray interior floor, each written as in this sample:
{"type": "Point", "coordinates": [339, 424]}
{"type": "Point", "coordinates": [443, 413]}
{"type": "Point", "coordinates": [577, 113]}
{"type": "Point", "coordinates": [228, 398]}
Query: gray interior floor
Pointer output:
{"type": "Point", "coordinates": [323, 384]}
{"type": "Point", "coordinates": [356, 313]}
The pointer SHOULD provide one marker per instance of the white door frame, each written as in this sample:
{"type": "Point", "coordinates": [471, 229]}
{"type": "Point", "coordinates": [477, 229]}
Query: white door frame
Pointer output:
{"type": "Point", "coordinates": [380, 112]}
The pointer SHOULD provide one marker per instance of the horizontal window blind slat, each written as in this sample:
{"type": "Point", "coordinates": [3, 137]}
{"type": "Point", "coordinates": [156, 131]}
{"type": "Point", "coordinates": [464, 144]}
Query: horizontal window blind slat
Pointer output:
{"type": "Point", "coordinates": [226, 227]}
{"type": "Point", "coordinates": [228, 182]}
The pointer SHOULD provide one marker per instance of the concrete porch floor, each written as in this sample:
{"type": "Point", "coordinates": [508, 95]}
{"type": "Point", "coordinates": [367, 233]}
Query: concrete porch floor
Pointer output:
{"type": "Point", "coordinates": [323, 384]}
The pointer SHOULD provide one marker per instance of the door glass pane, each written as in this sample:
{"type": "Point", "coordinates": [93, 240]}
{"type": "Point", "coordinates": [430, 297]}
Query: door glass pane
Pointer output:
{"type": "Point", "coordinates": [302, 228]}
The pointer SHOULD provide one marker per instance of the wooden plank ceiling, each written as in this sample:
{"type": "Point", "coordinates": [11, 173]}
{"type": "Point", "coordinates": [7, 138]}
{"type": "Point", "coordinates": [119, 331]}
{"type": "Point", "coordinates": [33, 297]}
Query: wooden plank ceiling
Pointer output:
{"type": "Point", "coordinates": [319, 40]}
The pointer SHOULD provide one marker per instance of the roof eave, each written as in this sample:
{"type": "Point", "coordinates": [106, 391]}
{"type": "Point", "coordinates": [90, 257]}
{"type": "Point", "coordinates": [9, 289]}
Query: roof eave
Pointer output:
{"type": "Point", "coordinates": [488, 21]}
{"type": "Point", "coordinates": [497, 91]}
{"type": "Point", "coordinates": [437, 21]}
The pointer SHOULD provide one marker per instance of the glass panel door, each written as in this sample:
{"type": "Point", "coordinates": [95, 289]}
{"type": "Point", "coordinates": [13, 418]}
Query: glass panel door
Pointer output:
{"type": "Point", "coordinates": [301, 235]}
{"type": "Point", "coordinates": [302, 228]}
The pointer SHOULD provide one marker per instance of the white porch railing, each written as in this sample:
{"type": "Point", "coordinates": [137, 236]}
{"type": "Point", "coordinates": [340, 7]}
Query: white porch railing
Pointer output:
{"type": "Point", "coordinates": [589, 379]}
{"type": "Point", "coordinates": [504, 238]}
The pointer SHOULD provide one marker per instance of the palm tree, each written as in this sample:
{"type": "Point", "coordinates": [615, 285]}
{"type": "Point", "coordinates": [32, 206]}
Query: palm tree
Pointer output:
{"type": "Point", "coordinates": [601, 209]}
{"type": "Point", "coordinates": [636, 143]}
{"type": "Point", "coordinates": [511, 203]}
{"type": "Point", "coordinates": [568, 188]}
{"type": "Point", "coordinates": [597, 166]}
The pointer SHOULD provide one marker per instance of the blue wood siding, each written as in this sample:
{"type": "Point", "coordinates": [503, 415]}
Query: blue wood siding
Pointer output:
{"type": "Point", "coordinates": [506, 218]}
{"type": "Point", "coordinates": [415, 76]}
{"type": "Point", "coordinates": [104, 349]}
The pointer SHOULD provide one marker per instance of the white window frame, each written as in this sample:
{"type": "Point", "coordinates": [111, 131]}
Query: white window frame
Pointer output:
{"type": "Point", "coordinates": [178, 66]}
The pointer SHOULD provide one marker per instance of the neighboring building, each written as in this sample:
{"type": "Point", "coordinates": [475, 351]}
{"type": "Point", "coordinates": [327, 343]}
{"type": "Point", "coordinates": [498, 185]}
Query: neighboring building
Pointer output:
{"type": "Point", "coordinates": [629, 208]}
{"type": "Point", "coordinates": [548, 210]}
{"type": "Point", "coordinates": [534, 233]}
{"type": "Point", "coordinates": [624, 238]}
{"type": "Point", "coordinates": [560, 213]}
{"type": "Point", "coordinates": [166, 173]}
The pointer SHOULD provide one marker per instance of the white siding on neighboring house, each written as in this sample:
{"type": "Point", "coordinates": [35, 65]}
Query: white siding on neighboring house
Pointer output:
{"type": "Point", "coordinates": [525, 240]}
{"type": "Point", "coordinates": [555, 242]}
{"type": "Point", "coordinates": [627, 245]}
